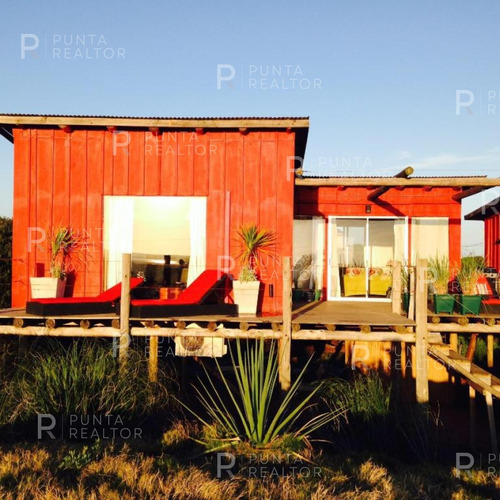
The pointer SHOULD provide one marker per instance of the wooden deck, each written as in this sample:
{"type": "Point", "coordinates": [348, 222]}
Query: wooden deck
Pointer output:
{"type": "Point", "coordinates": [349, 313]}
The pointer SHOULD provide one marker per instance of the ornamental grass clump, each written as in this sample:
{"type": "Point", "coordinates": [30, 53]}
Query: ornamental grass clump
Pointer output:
{"type": "Point", "coordinates": [83, 378]}
{"type": "Point", "coordinates": [253, 413]}
{"type": "Point", "coordinates": [471, 270]}
{"type": "Point", "coordinates": [439, 274]}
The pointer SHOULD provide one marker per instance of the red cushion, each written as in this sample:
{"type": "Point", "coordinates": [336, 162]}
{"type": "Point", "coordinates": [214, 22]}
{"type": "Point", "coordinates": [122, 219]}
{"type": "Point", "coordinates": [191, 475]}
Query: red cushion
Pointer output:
{"type": "Point", "coordinates": [114, 293]}
{"type": "Point", "coordinates": [69, 300]}
{"type": "Point", "coordinates": [195, 293]}
{"type": "Point", "coordinates": [491, 302]}
{"type": "Point", "coordinates": [200, 287]}
{"type": "Point", "coordinates": [109, 295]}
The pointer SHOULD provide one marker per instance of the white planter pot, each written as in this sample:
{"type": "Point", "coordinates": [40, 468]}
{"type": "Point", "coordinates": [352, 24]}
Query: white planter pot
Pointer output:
{"type": "Point", "coordinates": [246, 295]}
{"type": "Point", "coordinates": [47, 288]}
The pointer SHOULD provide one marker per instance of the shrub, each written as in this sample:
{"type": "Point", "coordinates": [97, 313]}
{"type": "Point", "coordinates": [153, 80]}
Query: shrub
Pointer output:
{"type": "Point", "coordinates": [83, 378]}
{"type": "Point", "coordinates": [5, 260]}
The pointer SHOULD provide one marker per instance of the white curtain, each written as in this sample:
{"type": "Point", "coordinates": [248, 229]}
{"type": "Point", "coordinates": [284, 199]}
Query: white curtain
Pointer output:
{"type": "Point", "coordinates": [118, 234]}
{"type": "Point", "coordinates": [334, 263]}
{"type": "Point", "coordinates": [429, 237]}
{"type": "Point", "coordinates": [318, 252]}
{"type": "Point", "coordinates": [197, 230]}
{"type": "Point", "coordinates": [399, 240]}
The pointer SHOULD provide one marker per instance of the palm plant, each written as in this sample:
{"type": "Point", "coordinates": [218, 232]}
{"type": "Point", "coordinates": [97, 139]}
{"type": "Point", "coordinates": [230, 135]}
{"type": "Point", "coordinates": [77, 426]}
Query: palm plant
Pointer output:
{"type": "Point", "coordinates": [65, 244]}
{"type": "Point", "coordinates": [255, 244]}
{"type": "Point", "coordinates": [253, 419]}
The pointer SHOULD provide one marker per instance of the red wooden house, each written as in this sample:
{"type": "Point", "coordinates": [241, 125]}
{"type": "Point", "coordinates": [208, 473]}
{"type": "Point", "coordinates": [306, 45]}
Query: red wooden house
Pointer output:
{"type": "Point", "coordinates": [490, 214]}
{"type": "Point", "coordinates": [178, 190]}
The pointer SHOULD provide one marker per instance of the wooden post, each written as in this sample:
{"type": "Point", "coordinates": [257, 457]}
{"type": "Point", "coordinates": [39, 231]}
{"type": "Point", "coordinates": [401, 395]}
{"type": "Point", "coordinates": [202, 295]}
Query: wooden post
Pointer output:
{"type": "Point", "coordinates": [454, 341]}
{"type": "Point", "coordinates": [491, 421]}
{"type": "Point", "coordinates": [472, 347]}
{"type": "Point", "coordinates": [285, 343]}
{"type": "Point", "coordinates": [411, 289]}
{"type": "Point", "coordinates": [396, 287]}
{"type": "Point", "coordinates": [472, 417]}
{"type": "Point", "coordinates": [125, 307]}
{"type": "Point", "coordinates": [490, 344]}
{"type": "Point", "coordinates": [422, 379]}
{"type": "Point", "coordinates": [153, 359]}
{"type": "Point", "coordinates": [403, 359]}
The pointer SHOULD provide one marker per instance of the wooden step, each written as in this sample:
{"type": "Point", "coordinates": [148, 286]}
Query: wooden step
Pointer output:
{"type": "Point", "coordinates": [458, 359]}
{"type": "Point", "coordinates": [478, 372]}
{"type": "Point", "coordinates": [444, 348]}
{"type": "Point", "coordinates": [495, 382]}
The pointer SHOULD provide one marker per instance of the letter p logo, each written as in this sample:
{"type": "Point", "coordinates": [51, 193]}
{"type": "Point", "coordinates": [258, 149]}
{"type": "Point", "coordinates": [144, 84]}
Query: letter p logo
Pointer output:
{"type": "Point", "coordinates": [225, 73]}
{"type": "Point", "coordinates": [463, 466]}
{"type": "Point", "coordinates": [463, 103]}
{"type": "Point", "coordinates": [25, 46]}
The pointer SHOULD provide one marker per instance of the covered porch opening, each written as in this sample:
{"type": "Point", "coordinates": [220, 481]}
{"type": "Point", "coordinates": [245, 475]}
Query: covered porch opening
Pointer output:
{"type": "Point", "coordinates": [360, 253]}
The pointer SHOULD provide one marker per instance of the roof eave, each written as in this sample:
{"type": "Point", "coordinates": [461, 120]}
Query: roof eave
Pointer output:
{"type": "Point", "coordinates": [138, 122]}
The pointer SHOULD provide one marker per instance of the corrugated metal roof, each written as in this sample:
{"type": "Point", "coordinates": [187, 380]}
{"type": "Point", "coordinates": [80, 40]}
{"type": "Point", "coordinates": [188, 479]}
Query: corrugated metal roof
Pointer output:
{"type": "Point", "coordinates": [390, 176]}
{"type": "Point", "coordinates": [161, 117]}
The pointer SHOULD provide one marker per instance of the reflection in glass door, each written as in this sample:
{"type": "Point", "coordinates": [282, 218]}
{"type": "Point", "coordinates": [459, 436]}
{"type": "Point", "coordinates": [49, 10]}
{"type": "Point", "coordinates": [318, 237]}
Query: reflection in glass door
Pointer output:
{"type": "Point", "coordinates": [360, 252]}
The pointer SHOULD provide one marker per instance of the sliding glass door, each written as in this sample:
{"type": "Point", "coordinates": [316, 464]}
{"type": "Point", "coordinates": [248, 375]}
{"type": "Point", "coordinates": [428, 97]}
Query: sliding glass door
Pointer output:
{"type": "Point", "coordinates": [360, 252]}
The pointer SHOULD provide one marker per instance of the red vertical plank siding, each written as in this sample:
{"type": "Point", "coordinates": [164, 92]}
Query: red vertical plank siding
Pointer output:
{"type": "Point", "coordinates": [21, 221]}
{"type": "Point", "coordinates": [234, 184]}
{"type": "Point", "coordinates": [136, 164]}
{"type": "Point", "coordinates": [201, 163]}
{"type": "Point", "coordinates": [251, 177]}
{"type": "Point", "coordinates": [285, 196]}
{"type": "Point", "coordinates": [62, 178]}
{"type": "Point", "coordinates": [108, 163]}
{"type": "Point", "coordinates": [152, 161]}
{"type": "Point", "coordinates": [268, 210]}
{"type": "Point", "coordinates": [78, 196]}
{"type": "Point", "coordinates": [94, 228]}
{"type": "Point", "coordinates": [185, 152]}
{"type": "Point", "coordinates": [491, 237]}
{"type": "Point", "coordinates": [216, 226]}
{"type": "Point", "coordinates": [44, 191]}
{"type": "Point", "coordinates": [168, 157]}
{"type": "Point", "coordinates": [36, 250]}
{"type": "Point", "coordinates": [62, 190]}
{"type": "Point", "coordinates": [121, 155]}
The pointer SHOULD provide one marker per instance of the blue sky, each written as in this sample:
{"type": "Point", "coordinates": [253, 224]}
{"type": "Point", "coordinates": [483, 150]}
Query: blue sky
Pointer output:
{"type": "Point", "coordinates": [380, 81]}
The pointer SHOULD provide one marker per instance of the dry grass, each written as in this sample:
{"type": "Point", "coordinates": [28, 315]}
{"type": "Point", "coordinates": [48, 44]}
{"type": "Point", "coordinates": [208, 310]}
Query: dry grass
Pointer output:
{"type": "Point", "coordinates": [32, 471]}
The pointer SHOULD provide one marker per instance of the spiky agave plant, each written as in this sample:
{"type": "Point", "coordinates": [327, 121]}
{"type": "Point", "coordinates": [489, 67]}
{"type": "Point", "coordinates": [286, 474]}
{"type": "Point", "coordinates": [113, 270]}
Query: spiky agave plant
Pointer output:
{"type": "Point", "coordinates": [246, 414]}
{"type": "Point", "coordinates": [255, 244]}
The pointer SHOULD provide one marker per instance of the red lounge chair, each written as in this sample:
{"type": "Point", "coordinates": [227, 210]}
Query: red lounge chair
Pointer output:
{"type": "Point", "coordinates": [199, 298]}
{"type": "Point", "coordinates": [103, 303]}
{"type": "Point", "coordinates": [491, 305]}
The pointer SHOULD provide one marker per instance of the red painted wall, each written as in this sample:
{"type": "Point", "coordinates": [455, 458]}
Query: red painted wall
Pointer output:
{"type": "Point", "coordinates": [61, 178]}
{"type": "Point", "coordinates": [410, 202]}
{"type": "Point", "coordinates": [491, 236]}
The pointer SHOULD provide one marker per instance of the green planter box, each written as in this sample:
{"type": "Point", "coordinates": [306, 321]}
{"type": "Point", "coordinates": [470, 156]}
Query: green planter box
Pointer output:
{"type": "Point", "coordinates": [469, 304]}
{"type": "Point", "coordinates": [406, 302]}
{"type": "Point", "coordinates": [444, 303]}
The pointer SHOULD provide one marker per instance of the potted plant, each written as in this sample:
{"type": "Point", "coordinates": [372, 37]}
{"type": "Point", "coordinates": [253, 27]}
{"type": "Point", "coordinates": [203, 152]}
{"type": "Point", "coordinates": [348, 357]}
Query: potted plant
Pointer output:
{"type": "Point", "coordinates": [469, 302]}
{"type": "Point", "coordinates": [405, 286]}
{"type": "Point", "coordinates": [255, 243]}
{"type": "Point", "coordinates": [439, 274]}
{"type": "Point", "coordinates": [63, 245]}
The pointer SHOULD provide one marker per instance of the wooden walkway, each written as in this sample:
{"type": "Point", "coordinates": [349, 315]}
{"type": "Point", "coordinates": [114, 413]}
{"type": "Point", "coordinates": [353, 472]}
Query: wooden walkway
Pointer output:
{"type": "Point", "coordinates": [479, 380]}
